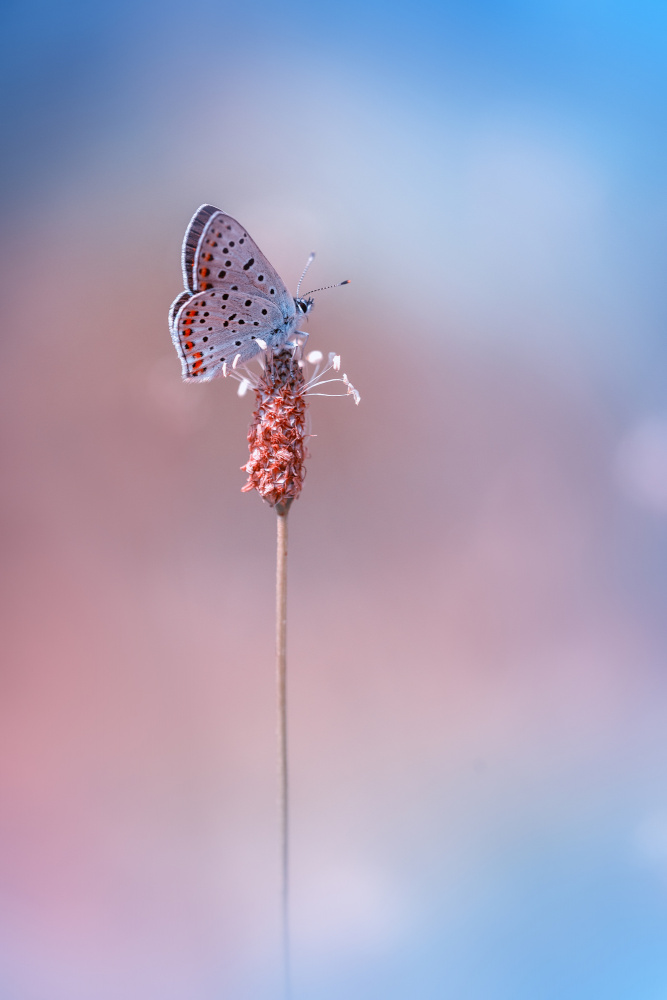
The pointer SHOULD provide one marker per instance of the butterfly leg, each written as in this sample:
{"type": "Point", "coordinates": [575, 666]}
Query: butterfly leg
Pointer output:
{"type": "Point", "coordinates": [300, 339]}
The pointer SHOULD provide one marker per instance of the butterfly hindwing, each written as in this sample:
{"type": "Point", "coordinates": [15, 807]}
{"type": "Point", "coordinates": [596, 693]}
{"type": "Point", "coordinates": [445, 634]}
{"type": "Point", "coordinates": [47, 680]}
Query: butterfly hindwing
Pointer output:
{"type": "Point", "coordinates": [213, 327]}
{"type": "Point", "coordinates": [173, 312]}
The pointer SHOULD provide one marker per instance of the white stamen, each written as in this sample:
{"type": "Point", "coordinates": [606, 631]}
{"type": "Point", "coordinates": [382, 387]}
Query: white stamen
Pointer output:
{"type": "Point", "coordinates": [224, 369]}
{"type": "Point", "coordinates": [330, 395]}
{"type": "Point", "coordinates": [321, 381]}
{"type": "Point", "coordinates": [336, 362]}
{"type": "Point", "coordinates": [262, 343]}
{"type": "Point", "coordinates": [236, 360]}
{"type": "Point", "coordinates": [351, 391]}
{"type": "Point", "coordinates": [243, 387]}
{"type": "Point", "coordinates": [350, 388]}
{"type": "Point", "coordinates": [314, 357]}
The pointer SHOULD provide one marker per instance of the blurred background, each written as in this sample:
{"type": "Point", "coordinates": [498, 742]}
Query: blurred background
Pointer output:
{"type": "Point", "coordinates": [478, 565]}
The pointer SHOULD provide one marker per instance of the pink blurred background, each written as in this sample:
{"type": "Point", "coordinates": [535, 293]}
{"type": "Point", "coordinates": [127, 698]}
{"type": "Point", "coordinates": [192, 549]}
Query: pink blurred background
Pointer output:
{"type": "Point", "coordinates": [478, 561]}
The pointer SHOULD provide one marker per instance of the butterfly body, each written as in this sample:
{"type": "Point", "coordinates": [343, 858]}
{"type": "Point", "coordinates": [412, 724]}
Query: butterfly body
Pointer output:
{"type": "Point", "coordinates": [234, 304]}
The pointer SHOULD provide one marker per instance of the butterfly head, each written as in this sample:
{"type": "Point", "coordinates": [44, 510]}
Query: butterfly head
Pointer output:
{"type": "Point", "coordinates": [303, 306]}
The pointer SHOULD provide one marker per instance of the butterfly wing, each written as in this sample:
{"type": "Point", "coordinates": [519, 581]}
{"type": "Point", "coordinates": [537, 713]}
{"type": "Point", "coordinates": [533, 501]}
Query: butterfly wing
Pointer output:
{"type": "Point", "coordinates": [191, 240]}
{"type": "Point", "coordinates": [233, 297]}
{"type": "Point", "coordinates": [173, 313]}
{"type": "Point", "coordinates": [212, 327]}
{"type": "Point", "coordinates": [226, 255]}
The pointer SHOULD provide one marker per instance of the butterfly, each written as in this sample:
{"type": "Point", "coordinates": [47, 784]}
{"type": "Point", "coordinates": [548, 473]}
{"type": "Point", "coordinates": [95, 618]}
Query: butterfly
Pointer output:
{"type": "Point", "coordinates": [234, 304]}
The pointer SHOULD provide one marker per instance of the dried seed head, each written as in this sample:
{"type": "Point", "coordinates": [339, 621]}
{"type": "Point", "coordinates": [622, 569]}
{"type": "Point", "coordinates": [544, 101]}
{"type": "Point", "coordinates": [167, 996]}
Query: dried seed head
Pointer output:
{"type": "Point", "coordinates": [276, 435]}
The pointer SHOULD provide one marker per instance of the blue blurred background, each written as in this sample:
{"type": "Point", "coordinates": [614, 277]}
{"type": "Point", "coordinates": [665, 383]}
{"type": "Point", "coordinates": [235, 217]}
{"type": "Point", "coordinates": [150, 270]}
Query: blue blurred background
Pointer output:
{"type": "Point", "coordinates": [478, 638]}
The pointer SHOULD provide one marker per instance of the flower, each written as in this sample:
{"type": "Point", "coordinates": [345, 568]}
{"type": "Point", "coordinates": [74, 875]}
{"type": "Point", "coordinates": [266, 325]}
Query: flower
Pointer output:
{"type": "Point", "coordinates": [277, 434]}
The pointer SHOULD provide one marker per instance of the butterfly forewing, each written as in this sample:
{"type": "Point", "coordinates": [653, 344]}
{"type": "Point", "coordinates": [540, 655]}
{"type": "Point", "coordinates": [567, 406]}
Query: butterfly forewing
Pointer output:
{"type": "Point", "coordinates": [226, 255]}
{"type": "Point", "coordinates": [191, 241]}
{"type": "Point", "coordinates": [213, 327]}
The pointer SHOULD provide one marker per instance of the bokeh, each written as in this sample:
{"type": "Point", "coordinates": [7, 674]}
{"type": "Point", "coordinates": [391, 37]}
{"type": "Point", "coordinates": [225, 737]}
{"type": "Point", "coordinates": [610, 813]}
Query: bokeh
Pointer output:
{"type": "Point", "coordinates": [478, 565]}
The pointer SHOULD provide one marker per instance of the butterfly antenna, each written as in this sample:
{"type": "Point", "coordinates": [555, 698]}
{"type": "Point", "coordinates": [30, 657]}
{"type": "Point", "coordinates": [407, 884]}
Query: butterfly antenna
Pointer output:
{"type": "Point", "coordinates": [303, 274]}
{"type": "Point", "coordinates": [325, 287]}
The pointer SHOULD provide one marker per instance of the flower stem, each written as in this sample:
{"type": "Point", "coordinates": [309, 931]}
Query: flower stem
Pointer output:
{"type": "Point", "coordinates": [281, 678]}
